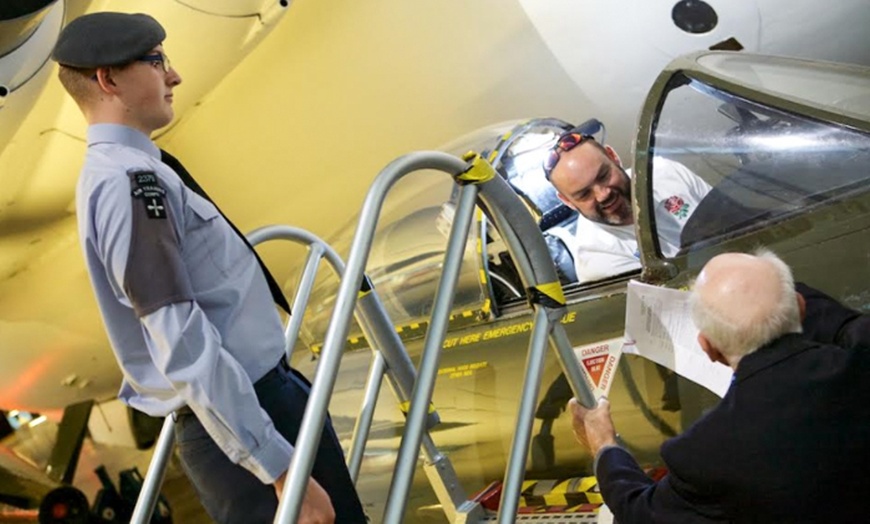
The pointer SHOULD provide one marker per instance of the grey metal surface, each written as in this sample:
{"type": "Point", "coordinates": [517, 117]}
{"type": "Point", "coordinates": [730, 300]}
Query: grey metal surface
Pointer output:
{"type": "Point", "coordinates": [516, 466]}
{"type": "Point", "coordinates": [405, 258]}
{"type": "Point", "coordinates": [156, 473]}
{"type": "Point", "coordinates": [410, 447]}
{"type": "Point", "coordinates": [389, 353]}
{"type": "Point", "coordinates": [530, 253]}
{"type": "Point", "coordinates": [315, 413]}
{"type": "Point", "coordinates": [363, 423]}
{"type": "Point", "coordinates": [316, 251]}
{"type": "Point", "coordinates": [378, 328]}
{"type": "Point", "coordinates": [511, 217]}
{"type": "Point", "coordinates": [439, 469]}
{"type": "Point", "coordinates": [570, 365]}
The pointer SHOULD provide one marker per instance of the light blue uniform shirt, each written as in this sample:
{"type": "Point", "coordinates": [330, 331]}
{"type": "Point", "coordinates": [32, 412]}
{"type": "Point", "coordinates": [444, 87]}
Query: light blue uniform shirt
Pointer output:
{"type": "Point", "coordinates": [187, 309]}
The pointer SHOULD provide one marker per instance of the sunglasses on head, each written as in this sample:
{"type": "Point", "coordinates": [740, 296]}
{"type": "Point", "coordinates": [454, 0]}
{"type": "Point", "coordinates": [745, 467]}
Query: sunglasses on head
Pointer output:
{"type": "Point", "coordinates": [566, 142]}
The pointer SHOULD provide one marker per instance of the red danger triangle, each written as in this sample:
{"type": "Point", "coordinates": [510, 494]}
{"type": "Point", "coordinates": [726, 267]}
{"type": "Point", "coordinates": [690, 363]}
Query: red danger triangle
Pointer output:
{"type": "Point", "coordinates": [595, 367]}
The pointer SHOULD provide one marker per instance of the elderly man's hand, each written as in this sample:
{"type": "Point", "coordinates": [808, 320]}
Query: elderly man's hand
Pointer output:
{"type": "Point", "coordinates": [593, 427]}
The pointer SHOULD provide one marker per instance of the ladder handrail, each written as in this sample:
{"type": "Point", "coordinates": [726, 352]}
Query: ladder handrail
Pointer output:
{"type": "Point", "coordinates": [389, 352]}
{"type": "Point", "coordinates": [390, 358]}
{"type": "Point", "coordinates": [324, 381]}
{"type": "Point", "coordinates": [370, 314]}
{"type": "Point", "coordinates": [357, 297]}
{"type": "Point", "coordinates": [156, 473]}
{"type": "Point", "coordinates": [528, 249]}
{"type": "Point", "coordinates": [545, 293]}
{"type": "Point", "coordinates": [318, 249]}
{"type": "Point", "coordinates": [409, 449]}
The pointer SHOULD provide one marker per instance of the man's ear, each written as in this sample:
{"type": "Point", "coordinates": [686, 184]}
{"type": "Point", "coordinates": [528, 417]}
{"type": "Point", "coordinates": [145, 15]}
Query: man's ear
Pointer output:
{"type": "Point", "coordinates": [105, 80]}
{"type": "Point", "coordinates": [712, 353]}
{"type": "Point", "coordinates": [565, 200]}
{"type": "Point", "coordinates": [802, 306]}
{"type": "Point", "coordinates": [611, 154]}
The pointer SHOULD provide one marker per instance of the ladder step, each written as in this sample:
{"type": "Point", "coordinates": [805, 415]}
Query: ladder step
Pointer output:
{"type": "Point", "coordinates": [551, 518]}
{"type": "Point", "coordinates": [568, 501]}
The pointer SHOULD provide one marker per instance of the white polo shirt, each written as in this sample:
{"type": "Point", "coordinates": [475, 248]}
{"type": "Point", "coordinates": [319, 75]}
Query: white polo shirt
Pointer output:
{"type": "Point", "coordinates": [603, 250]}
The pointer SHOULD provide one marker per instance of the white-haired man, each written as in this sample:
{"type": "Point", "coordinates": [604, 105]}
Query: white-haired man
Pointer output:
{"type": "Point", "coordinates": [787, 443]}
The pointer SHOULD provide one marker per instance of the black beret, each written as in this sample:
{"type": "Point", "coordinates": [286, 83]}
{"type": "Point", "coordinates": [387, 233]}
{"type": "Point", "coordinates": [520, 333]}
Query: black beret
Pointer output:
{"type": "Point", "coordinates": [107, 39]}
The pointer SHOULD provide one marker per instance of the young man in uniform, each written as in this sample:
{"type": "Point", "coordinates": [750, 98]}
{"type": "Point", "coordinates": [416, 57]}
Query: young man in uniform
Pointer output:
{"type": "Point", "coordinates": [185, 300]}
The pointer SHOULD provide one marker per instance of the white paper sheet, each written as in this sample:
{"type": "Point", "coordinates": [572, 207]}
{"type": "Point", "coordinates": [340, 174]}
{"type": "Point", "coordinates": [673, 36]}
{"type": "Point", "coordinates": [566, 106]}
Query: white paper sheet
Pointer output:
{"type": "Point", "coordinates": [658, 326]}
{"type": "Point", "coordinates": [604, 515]}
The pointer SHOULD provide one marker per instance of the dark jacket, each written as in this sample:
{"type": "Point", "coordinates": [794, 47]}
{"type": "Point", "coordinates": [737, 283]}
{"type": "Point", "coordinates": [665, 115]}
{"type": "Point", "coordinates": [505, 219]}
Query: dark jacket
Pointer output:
{"type": "Point", "coordinates": [830, 322]}
{"type": "Point", "coordinates": [790, 442]}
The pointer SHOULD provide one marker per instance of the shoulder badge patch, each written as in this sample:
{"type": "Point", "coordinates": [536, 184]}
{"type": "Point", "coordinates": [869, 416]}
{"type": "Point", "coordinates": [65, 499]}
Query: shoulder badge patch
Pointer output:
{"type": "Point", "coordinates": [676, 206]}
{"type": "Point", "coordinates": [146, 187]}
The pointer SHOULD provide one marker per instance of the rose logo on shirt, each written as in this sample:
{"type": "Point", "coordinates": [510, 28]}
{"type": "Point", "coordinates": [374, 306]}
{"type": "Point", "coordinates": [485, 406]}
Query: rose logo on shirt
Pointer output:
{"type": "Point", "coordinates": [677, 207]}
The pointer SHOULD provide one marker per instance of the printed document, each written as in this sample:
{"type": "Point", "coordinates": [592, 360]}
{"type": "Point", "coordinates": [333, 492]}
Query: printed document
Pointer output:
{"type": "Point", "coordinates": [658, 326]}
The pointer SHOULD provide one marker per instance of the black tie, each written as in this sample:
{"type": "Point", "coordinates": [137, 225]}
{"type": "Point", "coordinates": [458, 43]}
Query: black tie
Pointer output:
{"type": "Point", "coordinates": [188, 180]}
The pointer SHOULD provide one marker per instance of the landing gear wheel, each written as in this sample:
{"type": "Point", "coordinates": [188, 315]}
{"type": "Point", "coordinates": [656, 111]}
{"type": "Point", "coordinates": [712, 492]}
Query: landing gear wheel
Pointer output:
{"type": "Point", "coordinates": [64, 505]}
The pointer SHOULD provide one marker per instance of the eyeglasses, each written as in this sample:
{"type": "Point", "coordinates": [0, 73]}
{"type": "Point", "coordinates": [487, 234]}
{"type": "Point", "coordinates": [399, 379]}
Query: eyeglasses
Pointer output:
{"type": "Point", "coordinates": [156, 58]}
{"type": "Point", "coordinates": [566, 142]}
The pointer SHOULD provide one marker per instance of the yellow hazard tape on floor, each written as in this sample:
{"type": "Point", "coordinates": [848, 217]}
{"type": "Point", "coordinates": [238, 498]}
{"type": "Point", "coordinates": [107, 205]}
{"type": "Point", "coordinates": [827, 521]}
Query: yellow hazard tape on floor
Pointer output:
{"type": "Point", "coordinates": [569, 492]}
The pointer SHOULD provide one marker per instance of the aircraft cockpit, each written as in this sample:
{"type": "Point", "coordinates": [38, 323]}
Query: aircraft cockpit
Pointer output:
{"type": "Point", "coordinates": [408, 247]}
{"type": "Point", "coordinates": [763, 168]}
{"type": "Point", "coordinates": [784, 146]}
{"type": "Point", "coordinates": [518, 155]}
{"type": "Point", "coordinates": [778, 147]}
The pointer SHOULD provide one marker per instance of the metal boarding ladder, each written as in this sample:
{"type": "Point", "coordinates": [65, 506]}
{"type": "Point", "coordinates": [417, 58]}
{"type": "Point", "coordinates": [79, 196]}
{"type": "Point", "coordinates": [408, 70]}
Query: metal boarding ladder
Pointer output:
{"type": "Point", "coordinates": [477, 179]}
{"type": "Point", "coordinates": [390, 359]}
{"type": "Point", "coordinates": [526, 245]}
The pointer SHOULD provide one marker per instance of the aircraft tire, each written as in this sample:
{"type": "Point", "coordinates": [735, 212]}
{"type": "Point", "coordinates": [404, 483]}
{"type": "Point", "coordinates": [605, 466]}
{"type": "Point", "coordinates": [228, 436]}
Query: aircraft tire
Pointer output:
{"type": "Point", "coordinates": [64, 505]}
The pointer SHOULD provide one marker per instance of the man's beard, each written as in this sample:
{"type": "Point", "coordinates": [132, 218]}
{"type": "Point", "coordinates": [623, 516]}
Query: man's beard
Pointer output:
{"type": "Point", "coordinates": [616, 219]}
{"type": "Point", "coordinates": [623, 215]}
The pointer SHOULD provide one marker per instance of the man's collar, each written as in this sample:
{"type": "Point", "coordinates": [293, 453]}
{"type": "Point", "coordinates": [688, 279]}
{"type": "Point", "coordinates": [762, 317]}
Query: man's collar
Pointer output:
{"type": "Point", "coordinates": [124, 135]}
{"type": "Point", "coordinates": [784, 347]}
{"type": "Point", "coordinates": [604, 225]}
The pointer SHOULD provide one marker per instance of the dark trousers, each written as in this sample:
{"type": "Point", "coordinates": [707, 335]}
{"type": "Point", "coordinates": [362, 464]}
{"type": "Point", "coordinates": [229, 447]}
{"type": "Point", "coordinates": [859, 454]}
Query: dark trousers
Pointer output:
{"type": "Point", "coordinates": [233, 495]}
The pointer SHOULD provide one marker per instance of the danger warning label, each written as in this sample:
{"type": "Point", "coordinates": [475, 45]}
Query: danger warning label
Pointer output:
{"type": "Point", "coordinates": [595, 366]}
{"type": "Point", "coordinates": [599, 363]}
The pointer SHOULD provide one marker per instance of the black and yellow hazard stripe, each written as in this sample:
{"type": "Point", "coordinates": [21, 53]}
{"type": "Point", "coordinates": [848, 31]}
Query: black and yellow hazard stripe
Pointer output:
{"type": "Point", "coordinates": [405, 407]}
{"type": "Point", "coordinates": [572, 492]}
{"type": "Point", "coordinates": [410, 331]}
{"type": "Point", "coordinates": [547, 295]}
{"type": "Point", "coordinates": [365, 287]}
{"type": "Point", "coordinates": [415, 330]}
{"type": "Point", "coordinates": [493, 155]}
{"type": "Point", "coordinates": [478, 172]}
